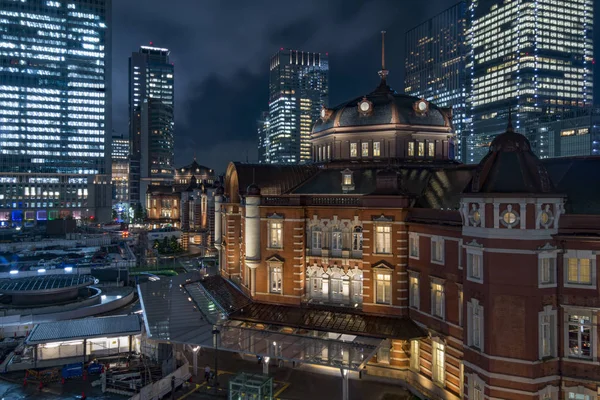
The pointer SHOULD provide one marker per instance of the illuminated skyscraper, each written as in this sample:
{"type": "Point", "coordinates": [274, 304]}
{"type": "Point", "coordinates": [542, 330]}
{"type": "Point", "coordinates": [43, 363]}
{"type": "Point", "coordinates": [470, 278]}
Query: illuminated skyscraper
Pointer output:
{"type": "Point", "coordinates": [120, 169]}
{"type": "Point", "coordinates": [435, 64]}
{"type": "Point", "coordinates": [534, 56]}
{"type": "Point", "coordinates": [262, 127]}
{"type": "Point", "coordinates": [55, 110]}
{"type": "Point", "coordinates": [298, 87]}
{"type": "Point", "coordinates": [151, 123]}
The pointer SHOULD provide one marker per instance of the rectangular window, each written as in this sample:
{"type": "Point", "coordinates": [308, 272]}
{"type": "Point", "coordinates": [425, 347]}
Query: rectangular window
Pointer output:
{"type": "Point", "coordinates": [347, 180]}
{"type": "Point", "coordinates": [383, 239]}
{"type": "Point", "coordinates": [579, 271]}
{"type": "Point", "coordinates": [547, 270]}
{"type": "Point", "coordinates": [411, 149]}
{"type": "Point", "coordinates": [413, 243]}
{"type": "Point", "coordinates": [545, 336]}
{"type": "Point", "coordinates": [357, 239]}
{"type": "Point", "coordinates": [316, 239]}
{"type": "Point", "coordinates": [376, 149]}
{"type": "Point", "coordinates": [275, 277]}
{"type": "Point", "coordinates": [475, 324]}
{"type": "Point", "coordinates": [439, 367]}
{"type": "Point", "coordinates": [414, 355]}
{"type": "Point", "coordinates": [414, 297]}
{"type": "Point", "coordinates": [437, 249]}
{"type": "Point", "coordinates": [421, 149]}
{"type": "Point", "coordinates": [437, 300]}
{"type": "Point", "coordinates": [475, 267]}
{"type": "Point", "coordinates": [329, 152]}
{"type": "Point", "coordinates": [579, 336]}
{"type": "Point", "coordinates": [336, 240]}
{"type": "Point", "coordinates": [431, 149]}
{"type": "Point", "coordinates": [384, 289]}
{"type": "Point", "coordinates": [365, 149]}
{"type": "Point", "coordinates": [477, 391]}
{"type": "Point", "coordinates": [276, 235]}
{"type": "Point", "coordinates": [353, 150]}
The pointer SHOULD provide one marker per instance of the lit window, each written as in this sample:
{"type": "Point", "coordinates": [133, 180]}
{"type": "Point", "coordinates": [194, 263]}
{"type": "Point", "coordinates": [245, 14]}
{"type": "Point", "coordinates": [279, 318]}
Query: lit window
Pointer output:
{"type": "Point", "coordinates": [411, 149]}
{"type": "Point", "coordinates": [383, 288]}
{"type": "Point", "coordinates": [460, 306]}
{"type": "Point", "coordinates": [439, 366]}
{"type": "Point", "coordinates": [336, 240]}
{"type": "Point", "coordinates": [357, 239]}
{"type": "Point", "coordinates": [353, 150]}
{"type": "Point", "coordinates": [437, 249]}
{"type": "Point", "coordinates": [376, 149]}
{"type": "Point", "coordinates": [421, 149]}
{"type": "Point", "coordinates": [347, 179]}
{"type": "Point", "coordinates": [437, 299]}
{"type": "Point", "coordinates": [414, 295]}
{"type": "Point", "coordinates": [275, 278]}
{"type": "Point", "coordinates": [365, 149]}
{"type": "Point", "coordinates": [413, 240]}
{"type": "Point", "coordinates": [579, 335]}
{"type": "Point", "coordinates": [276, 235]}
{"type": "Point", "coordinates": [383, 239]}
{"type": "Point", "coordinates": [316, 239]}
{"type": "Point", "coordinates": [579, 271]}
{"type": "Point", "coordinates": [431, 149]}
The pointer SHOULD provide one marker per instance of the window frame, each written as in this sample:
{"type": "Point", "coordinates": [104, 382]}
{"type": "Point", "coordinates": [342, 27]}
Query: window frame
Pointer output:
{"type": "Point", "coordinates": [411, 149]}
{"type": "Point", "coordinates": [335, 241]}
{"type": "Point", "coordinates": [438, 369]}
{"type": "Point", "coordinates": [273, 267]}
{"type": "Point", "coordinates": [316, 239]}
{"type": "Point", "coordinates": [273, 222]}
{"type": "Point", "coordinates": [414, 294]}
{"type": "Point", "coordinates": [353, 150]}
{"type": "Point", "coordinates": [471, 254]}
{"type": "Point", "coordinates": [593, 334]}
{"type": "Point", "coordinates": [438, 298]}
{"type": "Point", "coordinates": [439, 244]}
{"type": "Point", "coordinates": [376, 149]}
{"type": "Point", "coordinates": [357, 239]}
{"type": "Point", "coordinates": [415, 363]}
{"type": "Point", "coordinates": [413, 244]}
{"type": "Point", "coordinates": [475, 325]}
{"type": "Point", "coordinates": [579, 254]}
{"type": "Point", "coordinates": [543, 258]}
{"type": "Point", "coordinates": [378, 273]}
{"type": "Point", "coordinates": [364, 146]}
{"type": "Point", "coordinates": [548, 317]}
{"type": "Point", "coordinates": [386, 236]}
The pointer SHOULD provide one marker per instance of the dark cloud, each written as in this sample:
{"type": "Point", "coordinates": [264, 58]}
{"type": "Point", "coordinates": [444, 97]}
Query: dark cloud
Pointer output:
{"type": "Point", "coordinates": [221, 51]}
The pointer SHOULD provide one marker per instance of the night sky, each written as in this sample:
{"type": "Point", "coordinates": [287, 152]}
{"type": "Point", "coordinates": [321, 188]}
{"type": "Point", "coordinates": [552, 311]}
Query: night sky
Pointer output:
{"type": "Point", "coordinates": [221, 51]}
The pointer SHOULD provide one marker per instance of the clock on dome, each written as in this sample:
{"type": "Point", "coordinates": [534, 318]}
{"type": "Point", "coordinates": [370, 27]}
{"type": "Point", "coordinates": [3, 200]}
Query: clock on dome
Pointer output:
{"type": "Point", "coordinates": [421, 106]}
{"type": "Point", "coordinates": [365, 107]}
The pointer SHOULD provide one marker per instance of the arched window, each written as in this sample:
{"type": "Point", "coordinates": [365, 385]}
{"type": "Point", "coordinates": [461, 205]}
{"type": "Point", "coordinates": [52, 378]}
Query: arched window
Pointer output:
{"type": "Point", "coordinates": [356, 287]}
{"type": "Point", "coordinates": [357, 240]}
{"type": "Point", "coordinates": [336, 240]}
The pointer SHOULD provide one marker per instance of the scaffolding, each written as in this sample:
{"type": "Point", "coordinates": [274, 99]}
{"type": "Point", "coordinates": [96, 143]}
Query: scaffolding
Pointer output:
{"type": "Point", "coordinates": [249, 387]}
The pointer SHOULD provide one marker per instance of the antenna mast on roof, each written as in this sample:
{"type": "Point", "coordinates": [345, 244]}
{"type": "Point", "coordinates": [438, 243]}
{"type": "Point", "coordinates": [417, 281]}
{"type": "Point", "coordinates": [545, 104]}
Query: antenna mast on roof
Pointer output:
{"type": "Point", "coordinates": [384, 72]}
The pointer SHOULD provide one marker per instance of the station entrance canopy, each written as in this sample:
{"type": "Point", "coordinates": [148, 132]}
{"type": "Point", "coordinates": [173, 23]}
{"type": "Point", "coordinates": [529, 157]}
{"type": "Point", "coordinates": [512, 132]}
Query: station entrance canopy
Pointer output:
{"type": "Point", "coordinates": [213, 313]}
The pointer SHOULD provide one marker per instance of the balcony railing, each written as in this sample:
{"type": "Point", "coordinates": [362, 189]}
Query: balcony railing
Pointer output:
{"type": "Point", "coordinates": [338, 201]}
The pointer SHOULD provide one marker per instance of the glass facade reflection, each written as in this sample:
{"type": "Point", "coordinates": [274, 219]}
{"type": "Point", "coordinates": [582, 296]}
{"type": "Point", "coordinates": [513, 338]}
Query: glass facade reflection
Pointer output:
{"type": "Point", "coordinates": [151, 106]}
{"type": "Point", "coordinates": [435, 64]}
{"type": "Point", "coordinates": [298, 87]}
{"type": "Point", "coordinates": [534, 56]}
{"type": "Point", "coordinates": [54, 103]}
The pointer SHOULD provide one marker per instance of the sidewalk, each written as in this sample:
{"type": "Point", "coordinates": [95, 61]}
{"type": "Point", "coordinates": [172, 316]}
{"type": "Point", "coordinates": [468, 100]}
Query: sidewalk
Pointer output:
{"type": "Point", "coordinates": [303, 382]}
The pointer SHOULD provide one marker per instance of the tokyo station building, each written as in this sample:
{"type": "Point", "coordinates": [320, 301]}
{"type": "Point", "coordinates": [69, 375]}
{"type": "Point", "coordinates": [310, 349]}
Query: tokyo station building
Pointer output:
{"type": "Point", "coordinates": [479, 281]}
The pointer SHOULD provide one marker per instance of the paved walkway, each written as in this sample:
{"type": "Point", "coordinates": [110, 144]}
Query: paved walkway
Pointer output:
{"type": "Point", "coordinates": [305, 382]}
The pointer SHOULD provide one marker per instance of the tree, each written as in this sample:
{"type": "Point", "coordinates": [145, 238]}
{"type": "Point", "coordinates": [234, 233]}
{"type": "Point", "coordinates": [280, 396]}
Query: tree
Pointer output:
{"type": "Point", "coordinates": [115, 216]}
{"type": "Point", "coordinates": [174, 245]}
{"type": "Point", "coordinates": [156, 244]}
{"type": "Point", "coordinates": [139, 214]}
{"type": "Point", "coordinates": [164, 246]}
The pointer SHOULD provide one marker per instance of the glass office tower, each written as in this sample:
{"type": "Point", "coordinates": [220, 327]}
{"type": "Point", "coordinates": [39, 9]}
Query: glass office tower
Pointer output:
{"type": "Point", "coordinates": [152, 120]}
{"type": "Point", "coordinates": [55, 110]}
{"type": "Point", "coordinates": [298, 87]}
{"type": "Point", "coordinates": [533, 56]}
{"type": "Point", "coordinates": [262, 128]}
{"type": "Point", "coordinates": [435, 64]}
{"type": "Point", "coordinates": [120, 170]}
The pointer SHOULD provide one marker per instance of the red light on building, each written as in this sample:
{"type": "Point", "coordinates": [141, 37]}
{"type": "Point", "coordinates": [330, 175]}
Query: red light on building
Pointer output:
{"type": "Point", "coordinates": [151, 43]}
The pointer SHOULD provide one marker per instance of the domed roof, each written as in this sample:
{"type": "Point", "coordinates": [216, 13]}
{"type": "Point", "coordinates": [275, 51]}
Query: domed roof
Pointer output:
{"type": "Point", "coordinates": [194, 169]}
{"type": "Point", "coordinates": [387, 107]}
{"type": "Point", "coordinates": [510, 167]}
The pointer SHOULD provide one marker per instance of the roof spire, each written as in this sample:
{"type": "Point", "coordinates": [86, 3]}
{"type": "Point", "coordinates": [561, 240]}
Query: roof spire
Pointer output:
{"type": "Point", "coordinates": [384, 72]}
{"type": "Point", "coordinates": [194, 156]}
{"type": "Point", "coordinates": [510, 128]}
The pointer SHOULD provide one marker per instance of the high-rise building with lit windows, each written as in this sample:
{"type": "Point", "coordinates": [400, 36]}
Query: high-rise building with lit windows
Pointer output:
{"type": "Point", "coordinates": [532, 56]}
{"type": "Point", "coordinates": [436, 52]}
{"type": "Point", "coordinates": [262, 128]}
{"type": "Point", "coordinates": [120, 170]}
{"type": "Point", "coordinates": [298, 88]}
{"type": "Point", "coordinates": [151, 120]}
{"type": "Point", "coordinates": [55, 110]}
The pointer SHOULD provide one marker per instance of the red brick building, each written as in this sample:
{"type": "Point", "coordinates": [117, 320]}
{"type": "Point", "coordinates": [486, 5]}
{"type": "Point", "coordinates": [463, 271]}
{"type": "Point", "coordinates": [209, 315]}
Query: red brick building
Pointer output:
{"type": "Point", "coordinates": [489, 270]}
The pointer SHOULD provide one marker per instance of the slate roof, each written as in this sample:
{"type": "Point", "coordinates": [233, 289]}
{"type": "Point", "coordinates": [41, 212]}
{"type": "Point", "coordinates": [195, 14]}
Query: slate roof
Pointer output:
{"type": "Point", "coordinates": [389, 107]}
{"type": "Point", "coordinates": [86, 328]}
{"type": "Point", "coordinates": [272, 179]}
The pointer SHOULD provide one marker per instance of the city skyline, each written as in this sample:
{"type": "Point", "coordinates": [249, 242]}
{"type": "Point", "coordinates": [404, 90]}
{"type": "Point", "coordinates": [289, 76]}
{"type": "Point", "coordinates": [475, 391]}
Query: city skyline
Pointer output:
{"type": "Point", "coordinates": [231, 70]}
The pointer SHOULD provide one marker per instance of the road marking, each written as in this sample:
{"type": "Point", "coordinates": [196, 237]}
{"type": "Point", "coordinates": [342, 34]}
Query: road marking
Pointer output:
{"type": "Point", "coordinates": [285, 386]}
{"type": "Point", "coordinates": [192, 391]}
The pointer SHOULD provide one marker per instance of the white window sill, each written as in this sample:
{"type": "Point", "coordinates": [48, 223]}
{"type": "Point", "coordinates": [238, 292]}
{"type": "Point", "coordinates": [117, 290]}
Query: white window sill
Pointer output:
{"type": "Point", "coordinates": [438, 262]}
{"type": "Point", "coordinates": [274, 248]}
{"type": "Point", "coordinates": [470, 279]}
{"type": "Point", "coordinates": [579, 286]}
{"type": "Point", "coordinates": [580, 360]}
{"type": "Point", "coordinates": [546, 285]}
{"type": "Point", "coordinates": [384, 254]}
{"type": "Point", "coordinates": [413, 257]}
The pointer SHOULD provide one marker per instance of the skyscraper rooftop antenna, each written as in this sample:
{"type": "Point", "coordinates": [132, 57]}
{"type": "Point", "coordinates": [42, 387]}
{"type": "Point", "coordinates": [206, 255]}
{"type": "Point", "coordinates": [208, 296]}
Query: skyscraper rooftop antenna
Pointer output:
{"type": "Point", "coordinates": [384, 72]}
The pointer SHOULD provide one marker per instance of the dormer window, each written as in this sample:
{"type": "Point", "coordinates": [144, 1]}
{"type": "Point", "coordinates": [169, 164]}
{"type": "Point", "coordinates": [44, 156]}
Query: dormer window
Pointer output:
{"type": "Point", "coordinates": [347, 180]}
{"type": "Point", "coordinates": [411, 149]}
{"type": "Point", "coordinates": [353, 150]}
{"type": "Point", "coordinates": [365, 149]}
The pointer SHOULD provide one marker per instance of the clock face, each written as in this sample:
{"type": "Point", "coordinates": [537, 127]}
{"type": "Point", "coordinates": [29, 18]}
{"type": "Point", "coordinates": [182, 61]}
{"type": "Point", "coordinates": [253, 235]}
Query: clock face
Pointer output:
{"type": "Point", "coordinates": [364, 106]}
{"type": "Point", "coordinates": [422, 106]}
